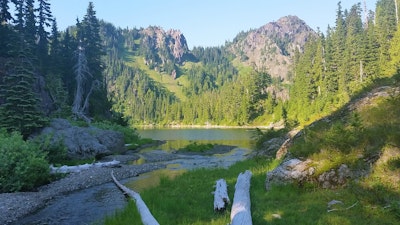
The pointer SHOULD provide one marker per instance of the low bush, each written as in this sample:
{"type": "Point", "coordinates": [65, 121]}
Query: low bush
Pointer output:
{"type": "Point", "coordinates": [195, 147]}
{"type": "Point", "coordinates": [261, 136]}
{"type": "Point", "coordinates": [23, 165]}
{"type": "Point", "coordinates": [56, 153]}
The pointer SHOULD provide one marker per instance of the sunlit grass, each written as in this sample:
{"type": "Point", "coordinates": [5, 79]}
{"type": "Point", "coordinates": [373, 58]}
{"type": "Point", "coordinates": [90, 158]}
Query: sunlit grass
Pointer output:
{"type": "Point", "coordinates": [187, 200]}
{"type": "Point", "coordinates": [368, 142]}
{"type": "Point", "coordinates": [173, 85]}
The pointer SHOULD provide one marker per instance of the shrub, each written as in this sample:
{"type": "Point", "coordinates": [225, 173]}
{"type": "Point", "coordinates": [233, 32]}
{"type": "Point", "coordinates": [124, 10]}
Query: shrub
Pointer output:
{"type": "Point", "coordinates": [261, 136]}
{"type": "Point", "coordinates": [56, 152]}
{"type": "Point", "coordinates": [194, 147]}
{"type": "Point", "coordinates": [23, 165]}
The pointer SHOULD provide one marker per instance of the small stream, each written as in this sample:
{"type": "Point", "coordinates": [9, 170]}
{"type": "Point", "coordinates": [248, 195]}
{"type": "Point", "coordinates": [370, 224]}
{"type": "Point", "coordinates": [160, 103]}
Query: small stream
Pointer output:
{"type": "Point", "coordinates": [90, 206]}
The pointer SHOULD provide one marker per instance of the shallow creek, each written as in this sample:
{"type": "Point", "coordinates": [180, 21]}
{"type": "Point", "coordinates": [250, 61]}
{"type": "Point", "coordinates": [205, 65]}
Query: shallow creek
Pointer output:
{"type": "Point", "coordinates": [90, 206]}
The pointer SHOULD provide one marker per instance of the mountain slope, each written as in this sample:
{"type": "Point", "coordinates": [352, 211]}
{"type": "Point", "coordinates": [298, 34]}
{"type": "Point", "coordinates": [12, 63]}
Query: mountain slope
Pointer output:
{"type": "Point", "coordinates": [271, 47]}
{"type": "Point", "coordinates": [245, 88]}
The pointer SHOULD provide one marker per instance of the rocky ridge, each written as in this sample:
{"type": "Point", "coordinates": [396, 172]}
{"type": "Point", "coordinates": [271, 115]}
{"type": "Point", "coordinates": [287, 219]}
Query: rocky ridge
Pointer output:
{"type": "Point", "coordinates": [271, 47]}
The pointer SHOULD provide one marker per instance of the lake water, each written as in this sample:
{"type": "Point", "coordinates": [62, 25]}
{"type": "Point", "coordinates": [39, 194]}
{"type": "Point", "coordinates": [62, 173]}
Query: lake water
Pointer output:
{"type": "Point", "coordinates": [177, 138]}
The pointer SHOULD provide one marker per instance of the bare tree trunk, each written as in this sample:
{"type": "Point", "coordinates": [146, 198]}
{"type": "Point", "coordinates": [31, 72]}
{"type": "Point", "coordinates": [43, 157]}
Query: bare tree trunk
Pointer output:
{"type": "Point", "coordinates": [221, 198]}
{"type": "Point", "coordinates": [145, 214]}
{"type": "Point", "coordinates": [81, 74]}
{"type": "Point", "coordinates": [241, 213]}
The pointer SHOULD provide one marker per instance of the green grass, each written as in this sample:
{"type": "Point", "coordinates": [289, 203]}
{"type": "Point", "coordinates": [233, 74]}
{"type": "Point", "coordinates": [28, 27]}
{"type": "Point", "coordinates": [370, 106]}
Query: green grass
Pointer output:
{"type": "Point", "coordinates": [195, 147]}
{"type": "Point", "coordinates": [187, 200]}
{"type": "Point", "coordinates": [368, 140]}
{"type": "Point", "coordinates": [173, 85]}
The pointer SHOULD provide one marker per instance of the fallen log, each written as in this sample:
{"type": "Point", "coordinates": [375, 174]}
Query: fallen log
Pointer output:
{"type": "Point", "coordinates": [145, 214]}
{"type": "Point", "coordinates": [241, 213]}
{"type": "Point", "coordinates": [79, 168]}
{"type": "Point", "coordinates": [221, 198]}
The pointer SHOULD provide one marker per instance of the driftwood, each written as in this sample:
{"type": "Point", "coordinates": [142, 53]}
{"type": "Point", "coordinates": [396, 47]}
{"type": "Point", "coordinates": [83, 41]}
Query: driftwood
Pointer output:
{"type": "Point", "coordinates": [79, 168]}
{"type": "Point", "coordinates": [145, 214]}
{"type": "Point", "coordinates": [221, 198]}
{"type": "Point", "coordinates": [241, 213]}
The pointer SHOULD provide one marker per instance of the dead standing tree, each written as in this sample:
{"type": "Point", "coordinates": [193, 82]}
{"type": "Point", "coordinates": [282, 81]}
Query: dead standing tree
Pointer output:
{"type": "Point", "coordinates": [80, 106]}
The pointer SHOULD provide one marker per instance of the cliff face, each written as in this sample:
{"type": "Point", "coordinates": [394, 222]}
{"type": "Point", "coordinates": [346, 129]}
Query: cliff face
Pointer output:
{"type": "Point", "coordinates": [271, 47]}
{"type": "Point", "coordinates": [163, 49]}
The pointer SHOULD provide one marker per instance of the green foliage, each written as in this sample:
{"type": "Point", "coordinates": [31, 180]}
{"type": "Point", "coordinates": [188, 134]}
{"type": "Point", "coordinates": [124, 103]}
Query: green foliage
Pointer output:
{"type": "Point", "coordinates": [23, 165]}
{"type": "Point", "coordinates": [56, 153]}
{"type": "Point", "coordinates": [195, 147]}
{"type": "Point", "coordinates": [262, 136]}
{"type": "Point", "coordinates": [20, 111]}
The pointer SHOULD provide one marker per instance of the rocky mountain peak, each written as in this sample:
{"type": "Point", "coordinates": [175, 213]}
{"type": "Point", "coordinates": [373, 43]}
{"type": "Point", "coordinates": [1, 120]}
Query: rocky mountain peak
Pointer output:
{"type": "Point", "coordinates": [172, 42]}
{"type": "Point", "coordinates": [271, 47]}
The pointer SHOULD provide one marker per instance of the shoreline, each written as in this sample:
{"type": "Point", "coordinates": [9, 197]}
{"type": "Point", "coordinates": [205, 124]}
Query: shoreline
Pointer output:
{"type": "Point", "coordinates": [181, 126]}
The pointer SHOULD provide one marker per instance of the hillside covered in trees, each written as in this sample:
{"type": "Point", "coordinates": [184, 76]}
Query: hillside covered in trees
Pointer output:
{"type": "Point", "coordinates": [282, 72]}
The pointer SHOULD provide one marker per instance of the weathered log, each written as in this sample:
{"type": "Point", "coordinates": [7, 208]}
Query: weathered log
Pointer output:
{"type": "Point", "coordinates": [221, 198]}
{"type": "Point", "coordinates": [241, 213]}
{"type": "Point", "coordinates": [79, 168]}
{"type": "Point", "coordinates": [145, 214]}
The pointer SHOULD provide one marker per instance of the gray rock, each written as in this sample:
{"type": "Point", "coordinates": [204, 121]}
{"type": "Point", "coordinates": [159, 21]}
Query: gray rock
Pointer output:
{"type": "Point", "coordinates": [335, 178]}
{"type": "Point", "coordinates": [291, 171]}
{"type": "Point", "coordinates": [85, 142]}
{"type": "Point", "coordinates": [298, 171]}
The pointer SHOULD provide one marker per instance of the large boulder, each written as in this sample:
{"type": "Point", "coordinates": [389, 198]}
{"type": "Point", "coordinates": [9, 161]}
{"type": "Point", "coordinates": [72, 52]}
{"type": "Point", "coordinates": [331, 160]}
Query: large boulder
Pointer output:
{"type": "Point", "coordinates": [290, 171]}
{"type": "Point", "coordinates": [85, 142]}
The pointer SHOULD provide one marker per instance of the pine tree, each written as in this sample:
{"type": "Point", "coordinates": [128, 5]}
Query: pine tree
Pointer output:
{"type": "Point", "coordinates": [20, 111]}
{"type": "Point", "coordinates": [5, 15]}
{"type": "Point", "coordinates": [5, 30]}
{"type": "Point", "coordinates": [394, 53]}
{"type": "Point", "coordinates": [354, 41]}
{"type": "Point", "coordinates": [68, 47]}
{"type": "Point", "coordinates": [44, 21]}
{"type": "Point", "coordinates": [385, 20]}
{"type": "Point", "coordinates": [30, 29]}
{"type": "Point", "coordinates": [89, 36]}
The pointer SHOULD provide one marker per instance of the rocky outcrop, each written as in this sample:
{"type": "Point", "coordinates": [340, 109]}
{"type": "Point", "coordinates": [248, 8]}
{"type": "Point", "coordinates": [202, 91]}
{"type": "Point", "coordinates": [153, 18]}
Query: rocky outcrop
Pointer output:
{"type": "Point", "coordinates": [162, 49]}
{"type": "Point", "coordinates": [271, 47]}
{"type": "Point", "coordinates": [84, 142]}
{"type": "Point", "coordinates": [298, 171]}
{"type": "Point", "coordinates": [291, 171]}
{"type": "Point", "coordinates": [335, 177]}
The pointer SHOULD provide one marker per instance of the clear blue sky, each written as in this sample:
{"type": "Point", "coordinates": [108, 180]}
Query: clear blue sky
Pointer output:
{"type": "Point", "coordinates": [203, 22]}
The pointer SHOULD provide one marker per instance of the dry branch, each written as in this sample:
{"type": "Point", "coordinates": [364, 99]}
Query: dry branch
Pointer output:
{"type": "Point", "coordinates": [145, 214]}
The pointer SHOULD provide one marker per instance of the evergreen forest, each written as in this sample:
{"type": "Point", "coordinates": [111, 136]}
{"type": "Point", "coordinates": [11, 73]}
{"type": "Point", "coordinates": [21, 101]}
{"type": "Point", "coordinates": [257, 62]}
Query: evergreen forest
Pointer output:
{"type": "Point", "coordinates": [96, 71]}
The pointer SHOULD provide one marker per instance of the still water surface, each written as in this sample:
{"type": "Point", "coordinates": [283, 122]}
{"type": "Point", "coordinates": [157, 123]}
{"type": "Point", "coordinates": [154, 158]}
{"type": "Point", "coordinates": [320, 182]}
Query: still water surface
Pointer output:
{"type": "Point", "coordinates": [178, 138]}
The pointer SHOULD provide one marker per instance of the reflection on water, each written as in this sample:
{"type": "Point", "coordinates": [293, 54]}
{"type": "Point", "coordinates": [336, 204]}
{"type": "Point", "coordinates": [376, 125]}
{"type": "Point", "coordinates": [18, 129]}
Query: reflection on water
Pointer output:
{"type": "Point", "coordinates": [179, 138]}
{"type": "Point", "coordinates": [152, 179]}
